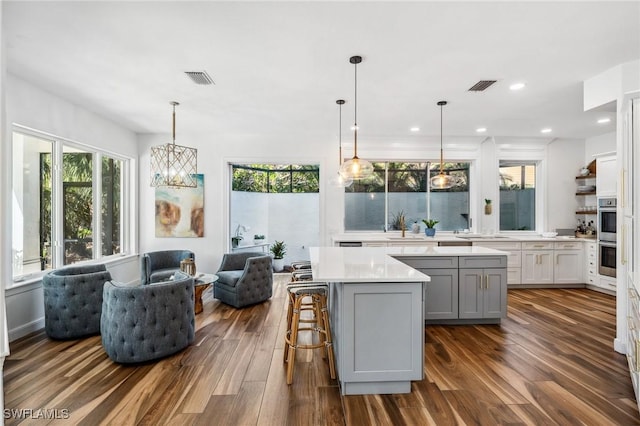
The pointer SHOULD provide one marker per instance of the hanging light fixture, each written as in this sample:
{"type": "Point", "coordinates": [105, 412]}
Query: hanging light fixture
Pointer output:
{"type": "Point", "coordinates": [339, 180]}
{"type": "Point", "coordinates": [442, 181]}
{"type": "Point", "coordinates": [174, 165]}
{"type": "Point", "coordinates": [356, 168]}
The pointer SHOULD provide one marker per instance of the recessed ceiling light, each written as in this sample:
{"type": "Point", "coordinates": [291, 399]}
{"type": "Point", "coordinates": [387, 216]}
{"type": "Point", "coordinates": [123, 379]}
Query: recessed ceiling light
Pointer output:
{"type": "Point", "coordinates": [517, 86]}
{"type": "Point", "coordinates": [415, 129]}
{"type": "Point", "coordinates": [481, 129]}
{"type": "Point", "coordinates": [604, 120]}
{"type": "Point", "coordinates": [545, 130]}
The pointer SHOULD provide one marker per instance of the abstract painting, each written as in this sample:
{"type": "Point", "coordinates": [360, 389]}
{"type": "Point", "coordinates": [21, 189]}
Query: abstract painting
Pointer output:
{"type": "Point", "coordinates": [180, 211]}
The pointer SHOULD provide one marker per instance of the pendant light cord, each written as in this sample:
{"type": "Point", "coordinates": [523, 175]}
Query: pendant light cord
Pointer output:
{"type": "Point", "coordinates": [173, 127]}
{"type": "Point", "coordinates": [355, 112]}
{"type": "Point", "coordinates": [441, 150]}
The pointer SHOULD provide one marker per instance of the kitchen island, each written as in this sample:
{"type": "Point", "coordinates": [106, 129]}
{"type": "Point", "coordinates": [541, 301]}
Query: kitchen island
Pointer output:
{"type": "Point", "coordinates": [377, 309]}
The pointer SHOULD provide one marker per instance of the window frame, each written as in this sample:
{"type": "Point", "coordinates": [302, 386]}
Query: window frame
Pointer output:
{"type": "Point", "coordinates": [58, 145]}
{"type": "Point", "coordinates": [472, 187]}
{"type": "Point", "coordinates": [531, 155]}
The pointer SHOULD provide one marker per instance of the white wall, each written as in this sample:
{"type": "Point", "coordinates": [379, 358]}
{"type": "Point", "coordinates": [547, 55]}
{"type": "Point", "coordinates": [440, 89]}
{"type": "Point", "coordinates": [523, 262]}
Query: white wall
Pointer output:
{"type": "Point", "coordinates": [215, 152]}
{"type": "Point", "coordinates": [32, 107]}
{"type": "Point", "coordinates": [565, 161]}
{"type": "Point", "coordinates": [599, 145]}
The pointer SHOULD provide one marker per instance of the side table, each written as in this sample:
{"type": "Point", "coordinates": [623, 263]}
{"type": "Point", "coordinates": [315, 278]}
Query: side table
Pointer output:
{"type": "Point", "coordinates": [201, 283]}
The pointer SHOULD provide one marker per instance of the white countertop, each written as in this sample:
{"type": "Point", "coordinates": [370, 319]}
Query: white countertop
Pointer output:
{"type": "Point", "coordinates": [376, 264]}
{"type": "Point", "coordinates": [395, 237]}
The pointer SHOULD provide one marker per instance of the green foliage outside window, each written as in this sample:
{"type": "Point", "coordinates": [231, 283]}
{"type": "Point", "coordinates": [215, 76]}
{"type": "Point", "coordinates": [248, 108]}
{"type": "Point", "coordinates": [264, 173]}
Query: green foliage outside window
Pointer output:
{"type": "Point", "coordinates": [276, 178]}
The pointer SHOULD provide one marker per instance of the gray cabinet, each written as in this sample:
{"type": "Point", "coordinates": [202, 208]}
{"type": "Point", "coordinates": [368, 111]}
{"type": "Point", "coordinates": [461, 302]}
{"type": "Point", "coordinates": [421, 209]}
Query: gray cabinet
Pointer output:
{"type": "Point", "coordinates": [378, 334]}
{"type": "Point", "coordinates": [463, 289]}
{"type": "Point", "coordinates": [441, 294]}
{"type": "Point", "coordinates": [483, 287]}
{"type": "Point", "coordinates": [483, 293]}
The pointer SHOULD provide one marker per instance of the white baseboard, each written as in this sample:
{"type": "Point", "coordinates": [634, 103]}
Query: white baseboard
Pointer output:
{"type": "Point", "coordinates": [619, 346]}
{"type": "Point", "coordinates": [24, 329]}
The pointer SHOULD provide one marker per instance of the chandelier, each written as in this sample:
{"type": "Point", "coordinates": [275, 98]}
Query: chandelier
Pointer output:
{"type": "Point", "coordinates": [442, 181]}
{"type": "Point", "coordinates": [174, 165]}
{"type": "Point", "coordinates": [356, 168]}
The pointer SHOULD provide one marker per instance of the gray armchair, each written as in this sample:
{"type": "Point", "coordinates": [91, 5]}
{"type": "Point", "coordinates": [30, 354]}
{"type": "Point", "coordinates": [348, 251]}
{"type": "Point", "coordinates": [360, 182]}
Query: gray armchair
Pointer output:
{"type": "Point", "coordinates": [160, 265]}
{"type": "Point", "coordinates": [149, 321]}
{"type": "Point", "coordinates": [73, 300]}
{"type": "Point", "coordinates": [244, 279]}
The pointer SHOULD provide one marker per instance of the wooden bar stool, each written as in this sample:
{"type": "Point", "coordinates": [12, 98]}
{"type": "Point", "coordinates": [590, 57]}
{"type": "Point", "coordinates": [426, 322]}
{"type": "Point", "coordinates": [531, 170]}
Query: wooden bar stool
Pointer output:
{"type": "Point", "coordinates": [319, 293]}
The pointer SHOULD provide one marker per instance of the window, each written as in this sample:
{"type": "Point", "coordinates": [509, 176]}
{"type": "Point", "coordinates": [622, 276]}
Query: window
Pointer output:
{"type": "Point", "coordinates": [517, 195]}
{"type": "Point", "coordinates": [402, 188]}
{"type": "Point", "coordinates": [275, 178]}
{"type": "Point", "coordinates": [56, 195]}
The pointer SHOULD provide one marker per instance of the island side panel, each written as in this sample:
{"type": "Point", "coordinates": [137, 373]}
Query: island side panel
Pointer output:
{"type": "Point", "coordinates": [379, 336]}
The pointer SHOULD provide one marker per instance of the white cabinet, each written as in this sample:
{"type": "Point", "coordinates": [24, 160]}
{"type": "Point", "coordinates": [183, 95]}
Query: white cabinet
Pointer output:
{"type": "Point", "coordinates": [591, 263]}
{"type": "Point", "coordinates": [568, 263]}
{"type": "Point", "coordinates": [514, 259]}
{"type": "Point", "coordinates": [537, 263]}
{"type": "Point", "coordinates": [606, 176]}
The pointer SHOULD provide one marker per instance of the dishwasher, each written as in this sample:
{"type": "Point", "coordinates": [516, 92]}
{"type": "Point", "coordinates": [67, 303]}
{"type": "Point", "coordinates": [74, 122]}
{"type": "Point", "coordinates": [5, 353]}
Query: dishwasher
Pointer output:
{"type": "Point", "coordinates": [454, 243]}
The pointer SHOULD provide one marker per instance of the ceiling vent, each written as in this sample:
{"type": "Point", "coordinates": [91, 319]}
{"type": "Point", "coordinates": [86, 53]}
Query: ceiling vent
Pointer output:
{"type": "Point", "coordinates": [481, 85]}
{"type": "Point", "coordinates": [199, 77]}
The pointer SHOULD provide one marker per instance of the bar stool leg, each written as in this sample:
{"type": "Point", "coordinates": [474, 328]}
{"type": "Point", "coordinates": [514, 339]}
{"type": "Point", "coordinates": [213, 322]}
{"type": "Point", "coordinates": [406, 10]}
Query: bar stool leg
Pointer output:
{"type": "Point", "coordinates": [289, 318]}
{"type": "Point", "coordinates": [293, 339]}
{"type": "Point", "coordinates": [328, 342]}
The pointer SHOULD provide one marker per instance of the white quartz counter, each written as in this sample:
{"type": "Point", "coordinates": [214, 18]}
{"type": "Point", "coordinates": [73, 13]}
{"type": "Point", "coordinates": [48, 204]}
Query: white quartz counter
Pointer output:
{"type": "Point", "coordinates": [395, 237]}
{"type": "Point", "coordinates": [377, 264]}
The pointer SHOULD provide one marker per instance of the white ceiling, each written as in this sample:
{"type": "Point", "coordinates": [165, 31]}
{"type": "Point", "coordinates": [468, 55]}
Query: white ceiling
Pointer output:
{"type": "Point", "coordinates": [279, 67]}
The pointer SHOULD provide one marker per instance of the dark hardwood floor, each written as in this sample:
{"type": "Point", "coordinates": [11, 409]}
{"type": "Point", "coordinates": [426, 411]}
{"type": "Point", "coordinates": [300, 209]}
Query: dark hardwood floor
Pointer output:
{"type": "Point", "coordinates": [550, 362]}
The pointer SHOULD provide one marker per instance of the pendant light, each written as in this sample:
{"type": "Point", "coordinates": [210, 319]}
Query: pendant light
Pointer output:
{"type": "Point", "coordinates": [442, 181]}
{"type": "Point", "coordinates": [339, 180]}
{"type": "Point", "coordinates": [174, 165]}
{"type": "Point", "coordinates": [356, 168]}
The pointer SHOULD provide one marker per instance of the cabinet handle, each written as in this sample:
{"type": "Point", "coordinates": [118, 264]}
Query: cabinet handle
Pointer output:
{"type": "Point", "coordinates": [623, 256]}
{"type": "Point", "coordinates": [480, 285]}
{"type": "Point", "coordinates": [538, 245]}
{"type": "Point", "coordinates": [557, 258]}
{"type": "Point", "coordinates": [486, 281]}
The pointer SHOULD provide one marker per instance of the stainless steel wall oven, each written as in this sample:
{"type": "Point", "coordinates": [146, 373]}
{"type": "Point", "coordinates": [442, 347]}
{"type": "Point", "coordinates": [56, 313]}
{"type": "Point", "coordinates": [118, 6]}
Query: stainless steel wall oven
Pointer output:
{"type": "Point", "coordinates": [607, 236]}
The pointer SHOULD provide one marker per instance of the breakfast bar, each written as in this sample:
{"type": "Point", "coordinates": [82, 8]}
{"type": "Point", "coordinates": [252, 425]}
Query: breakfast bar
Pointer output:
{"type": "Point", "coordinates": [376, 306]}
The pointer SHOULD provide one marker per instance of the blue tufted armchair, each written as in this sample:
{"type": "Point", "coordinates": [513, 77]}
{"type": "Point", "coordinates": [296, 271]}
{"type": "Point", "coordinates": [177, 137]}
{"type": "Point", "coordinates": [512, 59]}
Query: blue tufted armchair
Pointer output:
{"type": "Point", "coordinates": [244, 279]}
{"type": "Point", "coordinates": [150, 321]}
{"type": "Point", "coordinates": [160, 265]}
{"type": "Point", "coordinates": [73, 300]}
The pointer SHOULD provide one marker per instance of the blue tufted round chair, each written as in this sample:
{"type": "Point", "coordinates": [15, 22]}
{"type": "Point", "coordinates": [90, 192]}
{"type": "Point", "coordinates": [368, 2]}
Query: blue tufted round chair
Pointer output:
{"type": "Point", "coordinates": [73, 301]}
{"type": "Point", "coordinates": [145, 322]}
{"type": "Point", "coordinates": [244, 279]}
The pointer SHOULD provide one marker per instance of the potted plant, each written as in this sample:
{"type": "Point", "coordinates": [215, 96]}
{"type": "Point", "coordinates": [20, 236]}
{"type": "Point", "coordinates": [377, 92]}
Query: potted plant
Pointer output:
{"type": "Point", "coordinates": [487, 206]}
{"type": "Point", "coordinates": [258, 239]}
{"type": "Point", "coordinates": [430, 231]}
{"type": "Point", "coordinates": [278, 249]}
{"type": "Point", "coordinates": [235, 241]}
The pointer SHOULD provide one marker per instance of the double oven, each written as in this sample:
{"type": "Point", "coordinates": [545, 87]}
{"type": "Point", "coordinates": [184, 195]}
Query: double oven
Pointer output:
{"type": "Point", "coordinates": [607, 236]}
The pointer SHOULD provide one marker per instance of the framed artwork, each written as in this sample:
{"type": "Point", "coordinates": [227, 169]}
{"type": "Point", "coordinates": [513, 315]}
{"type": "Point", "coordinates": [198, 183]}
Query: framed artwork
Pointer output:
{"type": "Point", "coordinates": [180, 211]}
